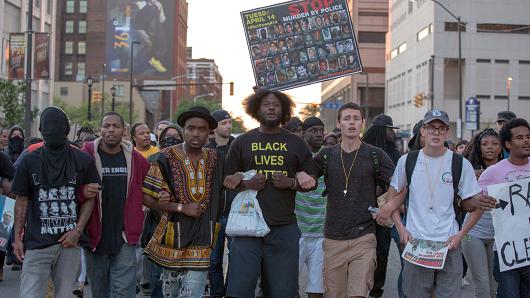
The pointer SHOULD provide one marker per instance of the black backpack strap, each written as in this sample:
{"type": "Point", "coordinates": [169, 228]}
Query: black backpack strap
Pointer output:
{"type": "Point", "coordinates": [457, 163]}
{"type": "Point", "coordinates": [325, 153]}
{"type": "Point", "coordinates": [379, 183]}
{"type": "Point", "coordinates": [410, 164]}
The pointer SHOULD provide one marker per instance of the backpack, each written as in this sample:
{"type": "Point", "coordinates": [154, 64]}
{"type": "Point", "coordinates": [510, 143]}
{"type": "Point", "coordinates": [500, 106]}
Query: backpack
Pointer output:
{"type": "Point", "coordinates": [456, 171]}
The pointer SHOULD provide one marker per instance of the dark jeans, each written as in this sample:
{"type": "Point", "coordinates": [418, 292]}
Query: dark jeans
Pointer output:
{"type": "Point", "coordinates": [395, 237]}
{"type": "Point", "coordinates": [215, 272]}
{"type": "Point", "coordinates": [155, 284]}
{"type": "Point", "coordinates": [274, 256]}
{"type": "Point", "coordinates": [383, 236]}
{"type": "Point", "coordinates": [10, 255]}
{"type": "Point", "coordinates": [513, 283]}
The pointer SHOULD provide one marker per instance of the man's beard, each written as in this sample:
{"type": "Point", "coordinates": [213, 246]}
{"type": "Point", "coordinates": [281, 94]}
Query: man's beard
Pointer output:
{"type": "Point", "coordinates": [271, 123]}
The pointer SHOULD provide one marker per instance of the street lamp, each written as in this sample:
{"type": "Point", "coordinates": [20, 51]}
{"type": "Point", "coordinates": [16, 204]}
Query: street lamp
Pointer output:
{"type": "Point", "coordinates": [131, 68]}
{"type": "Point", "coordinates": [89, 82]}
{"type": "Point", "coordinates": [460, 97]}
{"type": "Point", "coordinates": [200, 96]}
{"type": "Point", "coordinates": [113, 93]}
{"type": "Point", "coordinates": [508, 87]}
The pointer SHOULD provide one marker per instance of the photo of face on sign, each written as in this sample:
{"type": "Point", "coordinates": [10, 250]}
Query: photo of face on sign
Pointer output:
{"type": "Point", "coordinates": [260, 65]}
{"type": "Point", "coordinates": [348, 45]}
{"type": "Point", "coordinates": [273, 47]}
{"type": "Point", "coordinates": [290, 42]}
{"type": "Point", "coordinates": [262, 81]}
{"type": "Point", "coordinates": [291, 73]}
{"type": "Point", "coordinates": [297, 26]}
{"type": "Point", "coordinates": [325, 19]}
{"type": "Point", "coordinates": [301, 71]}
{"type": "Point", "coordinates": [333, 64]}
{"type": "Point", "coordinates": [342, 62]}
{"type": "Point", "coordinates": [343, 16]}
{"type": "Point", "coordinates": [335, 32]}
{"type": "Point", "coordinates": [311, 53]}
{"type": "Point", "coordinates": [322, 53]}
{"type": "Point", "coordinates": [317, 36]}
{"type": "Point", "coordinates": [277, 60]}
{"type": "Point", "coordinates": [323, 65]}
{"type": "Point", "coordinates": [264, 49]}
{"type": "Point", "coordinates": [340, 47]}
{"type": "Point", "coordinates": [345, 30]}
{"type": "Point", "coordinates": [271, 78]}
{"type": "Point", "coordinates": [288, 28]}
{"type": "Point", "coordinates": [281, 45]}
{"type": "Point", "coordinates": [326, 34]}
{"type": "Point", "coordinates": [299, 41]}
{"type": "Point", "coordinates": [253, 36]}
{"type": "Point", "coordinates": [280, 75]}
{"type": "Point", "coordinates": [305, 25]}
{"type": "Point", "coordinates": [308, 40]}
{"type": "Point", "coordinates": [313, 68]}
{"type": "Point", "coordinates": [303, 56]}
{"type": "Point", "coordinates": [263, 33]}
{"type": "Point", "coordinates": [335, 18]}
{"type": "Point", "coordinates": [285, 60]}
{"type": "Point", "coordinates": [332, 50]}
{"type": "Point", "coordinates": [272, 32]}
{"type": "Point", "coordinates": [293, 58]}
{"type": "Point", "coordinates": [255, 51]}
{"type": "Point", "coordinates": [279, 30]}
{"type": "Point", "coordinates": [270, 65]}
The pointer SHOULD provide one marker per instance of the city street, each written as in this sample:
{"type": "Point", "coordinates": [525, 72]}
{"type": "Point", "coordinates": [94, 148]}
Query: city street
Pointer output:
{"type": "Point", "coordinates": [9, 288]}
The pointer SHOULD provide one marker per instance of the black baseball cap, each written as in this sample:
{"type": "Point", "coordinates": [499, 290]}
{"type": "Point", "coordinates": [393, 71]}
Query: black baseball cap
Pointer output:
{"type": "Point", "coordinates": [436, 114]}
{"type": "Point", "coordinates": [383, 120]}
{"type": "Point", "coordinates": [311, 121]}
{"type": "Point", "coordinates": [506, 116]}
{"type": "Point", "coordinates": [221, 115]}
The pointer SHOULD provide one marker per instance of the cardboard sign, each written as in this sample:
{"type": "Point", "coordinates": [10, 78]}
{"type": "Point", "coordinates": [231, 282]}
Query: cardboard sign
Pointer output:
{"type": "Point", "coordinates": [511, 220]}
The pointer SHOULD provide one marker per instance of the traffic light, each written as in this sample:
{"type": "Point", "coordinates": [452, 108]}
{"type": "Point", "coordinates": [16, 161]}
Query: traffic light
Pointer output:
{"type": "Point", "coordinates": [96, 96]}
{"type": "Point", "coordinates": [231, 88]}
{"type": "Point", "coordinates": [418, 100]}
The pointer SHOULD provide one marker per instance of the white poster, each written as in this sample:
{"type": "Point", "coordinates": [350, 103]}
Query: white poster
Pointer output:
{"type": "Point", "coordinates": [511, 220]}
{"type": "Point", "coordinates": [426, 253]}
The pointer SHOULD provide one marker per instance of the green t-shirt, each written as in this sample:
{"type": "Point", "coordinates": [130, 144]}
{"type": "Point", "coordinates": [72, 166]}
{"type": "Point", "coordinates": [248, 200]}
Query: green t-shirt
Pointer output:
{"type": "Point", "coordinates": [310, 210]}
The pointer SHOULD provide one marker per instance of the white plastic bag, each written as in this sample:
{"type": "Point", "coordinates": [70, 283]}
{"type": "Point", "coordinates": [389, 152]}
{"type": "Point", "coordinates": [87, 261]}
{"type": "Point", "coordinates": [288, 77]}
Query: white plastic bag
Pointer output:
{"type": "Point", "coordinates": [246, 218]}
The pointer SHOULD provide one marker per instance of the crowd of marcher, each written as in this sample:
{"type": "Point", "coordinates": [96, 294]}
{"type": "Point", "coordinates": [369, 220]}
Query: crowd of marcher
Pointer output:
{"type": "Point", "coordinates": [133, 209]}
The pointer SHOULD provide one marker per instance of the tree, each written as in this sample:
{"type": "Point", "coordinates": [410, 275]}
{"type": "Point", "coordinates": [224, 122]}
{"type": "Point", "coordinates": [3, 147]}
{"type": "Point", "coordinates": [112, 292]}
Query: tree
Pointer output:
{"type": "Point", "coordinates": [79, 114]}
{"type": "Point", "coordinates": [12, 102]}
{"type": "Point", "coordinates": [238, 126]}
{"type": "Point", "coordinates": [309, 110]}
{"type": "Point", "coordinates": [186, 104]}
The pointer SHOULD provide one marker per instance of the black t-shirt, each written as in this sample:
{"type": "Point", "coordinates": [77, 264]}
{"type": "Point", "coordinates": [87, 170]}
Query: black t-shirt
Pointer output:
{"type": "Point", "coordinates": [267, 154]}
{"type": "Point", "coordinates": [7, 170]}
{"type": "Point", "coordinates": [52, 211]}
{"type": "Point", "coordinates": [114, 173]}
{"type": "Point", "coordinates": [347, 217]}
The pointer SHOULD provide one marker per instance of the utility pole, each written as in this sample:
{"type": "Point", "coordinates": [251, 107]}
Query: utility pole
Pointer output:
{"type": "Point", "coordinates": [131, 70]}
{"type": "Point", "coordinates": [103, 66]}
{"type": "Point", "coordinates": [27, 104]}
{"type": "Point", "coordinates": [432, 82]}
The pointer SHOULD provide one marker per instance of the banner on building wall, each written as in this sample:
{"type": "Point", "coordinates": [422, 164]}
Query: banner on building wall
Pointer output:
{"type": "Point", "coordinates": [299, 43]}
{"type": "Point", "coordinates": [41, 62]}
{"type": "Point", "coordinates": [151, 24]}
{"type": "Point", "coordinates": [17, 56]}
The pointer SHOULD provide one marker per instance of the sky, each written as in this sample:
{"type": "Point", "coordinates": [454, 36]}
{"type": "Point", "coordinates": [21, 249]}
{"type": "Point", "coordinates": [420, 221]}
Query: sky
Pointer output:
{"type": "Point", "coordinates": [215, 31]}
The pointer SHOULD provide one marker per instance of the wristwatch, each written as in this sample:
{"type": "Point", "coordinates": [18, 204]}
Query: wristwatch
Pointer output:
{"type": "Point", "coordinates": [179, 208]}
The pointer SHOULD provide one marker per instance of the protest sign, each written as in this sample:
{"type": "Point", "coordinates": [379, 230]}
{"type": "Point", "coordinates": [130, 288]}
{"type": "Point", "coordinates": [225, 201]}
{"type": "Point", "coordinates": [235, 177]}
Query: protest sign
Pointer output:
{"type": "Point", "coordinates": [298, 43]}
{"type": "Point", "coordinates": [511, 220]}
{"type": "Point", "coordinates": [7, 207]}
{"type": "Point", "coordinates": [426, 253]}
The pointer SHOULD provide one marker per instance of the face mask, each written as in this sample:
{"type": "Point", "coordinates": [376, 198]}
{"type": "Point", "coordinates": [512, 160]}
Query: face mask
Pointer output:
{"type": "Point", "coordinates": [16, 144]}
{"type": "Point", "coordinates": [168, 142]}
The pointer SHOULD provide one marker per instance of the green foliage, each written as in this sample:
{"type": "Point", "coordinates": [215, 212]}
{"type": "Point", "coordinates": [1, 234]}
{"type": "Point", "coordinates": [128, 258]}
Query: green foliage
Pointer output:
{"type": "Point", "coordinates": [184, 105]}
{"type": "Point", "coordinates": [79, 114]}
{"type": "Point", "coordinates": [309, 110]}
{"type": "Point", "coordinates": [12, 102]}
{"type": "Point", "coordinates": [238, 126]}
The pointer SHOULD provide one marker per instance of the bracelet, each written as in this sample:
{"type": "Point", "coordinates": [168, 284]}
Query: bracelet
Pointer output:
{"type": "Point", "coordinates": [79, 230]}
{"type": "Point", "coordinates": [179, 208]}
{"type": "Point", "coordinates": [295, 184]}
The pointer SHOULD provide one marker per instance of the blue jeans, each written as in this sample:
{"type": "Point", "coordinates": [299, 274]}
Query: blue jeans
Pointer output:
{"type": "Point", "coordinates": [215, 272]}
{"type": "Point", "coordinates": [513, 283]}
{"type": "Point", "coordinates": [183, 284]}
{"type": "Point", "coordinates": [395, 236]}
{"type": "Point", "coordinates": [155, 283]}
{"type": "Point", "coordinates": [113, 275]}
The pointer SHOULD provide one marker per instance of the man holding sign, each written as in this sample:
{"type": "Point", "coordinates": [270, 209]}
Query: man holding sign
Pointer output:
{"type": "Point", "coordinates": [508, 181]}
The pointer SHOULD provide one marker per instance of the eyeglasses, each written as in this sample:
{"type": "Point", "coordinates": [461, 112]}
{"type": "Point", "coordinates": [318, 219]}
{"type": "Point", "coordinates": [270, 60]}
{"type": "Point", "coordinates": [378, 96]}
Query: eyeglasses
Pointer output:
{"type": "Point", "coordinates": [441, 130]}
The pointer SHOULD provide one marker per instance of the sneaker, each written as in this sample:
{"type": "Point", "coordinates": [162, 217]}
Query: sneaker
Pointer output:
{"type": "Point", "coordinates": [465, 282]}
{"type": "Point", "coordinates": [78, 289]}
{"type": "Point", "coordinates": [16, 267]}
{"type": "Point", "coordinates": [145, 289]}
{"type": "Point", "coordinates": [156, 64]}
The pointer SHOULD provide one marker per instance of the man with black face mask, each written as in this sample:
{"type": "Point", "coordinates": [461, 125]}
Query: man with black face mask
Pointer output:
{"type": "Point", "coordinates": [15, 144]}
{"type": "Point", "coordinates": [43, 239]}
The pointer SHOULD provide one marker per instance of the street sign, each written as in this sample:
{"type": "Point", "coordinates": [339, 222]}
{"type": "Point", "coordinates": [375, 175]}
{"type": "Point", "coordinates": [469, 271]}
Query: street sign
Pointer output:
{"type": "Point", "coordinates": [472, 114]}
{"type": "Point", "coordinates": [511, 220]}
{"type": "Point", "coordinates": [152, 82]}
{"type": "Point", "coordinates": [331, 105]}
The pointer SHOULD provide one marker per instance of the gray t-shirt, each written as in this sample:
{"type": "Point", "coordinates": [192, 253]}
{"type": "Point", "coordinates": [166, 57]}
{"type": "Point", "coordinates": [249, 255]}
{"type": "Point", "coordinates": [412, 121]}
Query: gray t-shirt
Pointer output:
{"type": "Point", "coordinates": [347, 217]}
{"type": "Point", "coordinates": [483, 229]}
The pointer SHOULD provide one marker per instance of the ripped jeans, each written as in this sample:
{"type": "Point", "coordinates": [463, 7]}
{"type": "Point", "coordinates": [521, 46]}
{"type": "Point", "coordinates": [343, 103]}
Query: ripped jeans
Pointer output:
{"type": "Point", "coordinates": [183, 284]}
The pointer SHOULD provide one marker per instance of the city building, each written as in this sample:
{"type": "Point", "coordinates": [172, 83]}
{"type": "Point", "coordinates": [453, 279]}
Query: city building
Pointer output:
{"type": "Point", "coordinates": [97, 39]}
{"type": "Point", "coordinates": [422, 59]}
{"type": "Point", "coordinates": [370, 21]}
{"type": "Point", "coordinates": [13, 19]}
{"type": "Point", "coordinates": [205, 79]}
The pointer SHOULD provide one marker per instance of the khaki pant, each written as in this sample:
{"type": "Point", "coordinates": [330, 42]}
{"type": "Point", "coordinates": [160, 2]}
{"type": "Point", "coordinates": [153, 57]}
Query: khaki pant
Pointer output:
{"type": "Point", "coordinates": [349, 266]}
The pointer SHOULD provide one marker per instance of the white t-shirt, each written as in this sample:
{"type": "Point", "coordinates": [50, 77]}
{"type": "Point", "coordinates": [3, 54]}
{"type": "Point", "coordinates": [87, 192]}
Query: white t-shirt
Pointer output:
{"type": "Point", "coordinates": [433, 217]}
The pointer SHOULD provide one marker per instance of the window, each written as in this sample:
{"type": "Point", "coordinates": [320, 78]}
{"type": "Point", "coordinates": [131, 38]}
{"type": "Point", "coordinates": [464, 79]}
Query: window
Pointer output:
{"type": "Point", "coordinates": [83, 5]}
{"type": "Point", "coordinates": [120, 90]}
{"type": "Point", "coordinates": [479, 96]}
{"type": "Point", "coordinates": [373, 13]}
{"type": "Point", "coordinates": [69, 27]}
{"type": "Point", "coordinates": [453, 26]}
{"type": "Point", "coordinates": [499, 61]}
{"type": "Point", "coordinates": [49, 7]}
{"type": "Point", "coordinates": [524, 97]}
{"type": "Point", "coordinates": [82, 27]}
{"type": "Point", "coordinates": [524, 62]}
{"type": "Point", "coordinates": [36, 3]}
{"type": "Point", "coordinates": [64, 91]}
{"type": "Point", "coordinates": [372, 37]}
{"type": "Point", "coordinates": [68, 47]}
{"type": "Point", "coordinates": [483, 61]}
{"type": "Point", "coordinates": [81, 47]}
{"type": "Point", "coordinates": [503, 28]}
{"type": "Point", "coordinates": [393, 54]}
{"type": "Point", "coordinates": [70, 6]}
{"type": "Point", "coordinates": [80, 71]}
{"type": "Point", "coordinates": [501, 97]}
{"type": "Point", "coordinates": [68, 68]}
{"type": "Point", "coordinates": [424, 33]}
{"type": "Point", "coordinates": [402, 48]}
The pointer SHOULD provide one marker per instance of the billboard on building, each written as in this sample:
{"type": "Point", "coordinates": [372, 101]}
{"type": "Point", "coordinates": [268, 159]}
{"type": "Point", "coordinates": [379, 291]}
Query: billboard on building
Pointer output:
{"type": "Point", "coordinates": [17, 56]}
{"type": "Point", "coordinates": [42, 56]}
{"type": "Point", "coordinates": [150, 23]}
{"type": "Point", "coordinates": [298, 43]}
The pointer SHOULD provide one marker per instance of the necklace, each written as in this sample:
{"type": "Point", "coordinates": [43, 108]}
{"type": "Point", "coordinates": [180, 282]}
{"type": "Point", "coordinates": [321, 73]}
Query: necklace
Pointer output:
{"type": "Point", "coordinates": [432, 187]}
{"type": "Point", "coordinates": [196, 179]}
{"type": "Point", "coordinates": [347, 176]}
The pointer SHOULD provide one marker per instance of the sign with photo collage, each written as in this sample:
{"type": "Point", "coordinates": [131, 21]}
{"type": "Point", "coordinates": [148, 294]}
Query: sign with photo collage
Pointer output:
{"type": "Point", "coordinates": [298, 43]}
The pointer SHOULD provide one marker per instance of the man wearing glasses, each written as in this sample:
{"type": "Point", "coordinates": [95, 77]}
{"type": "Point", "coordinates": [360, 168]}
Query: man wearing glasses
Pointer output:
{"type": "Point", "coordinates": [430, 212]}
